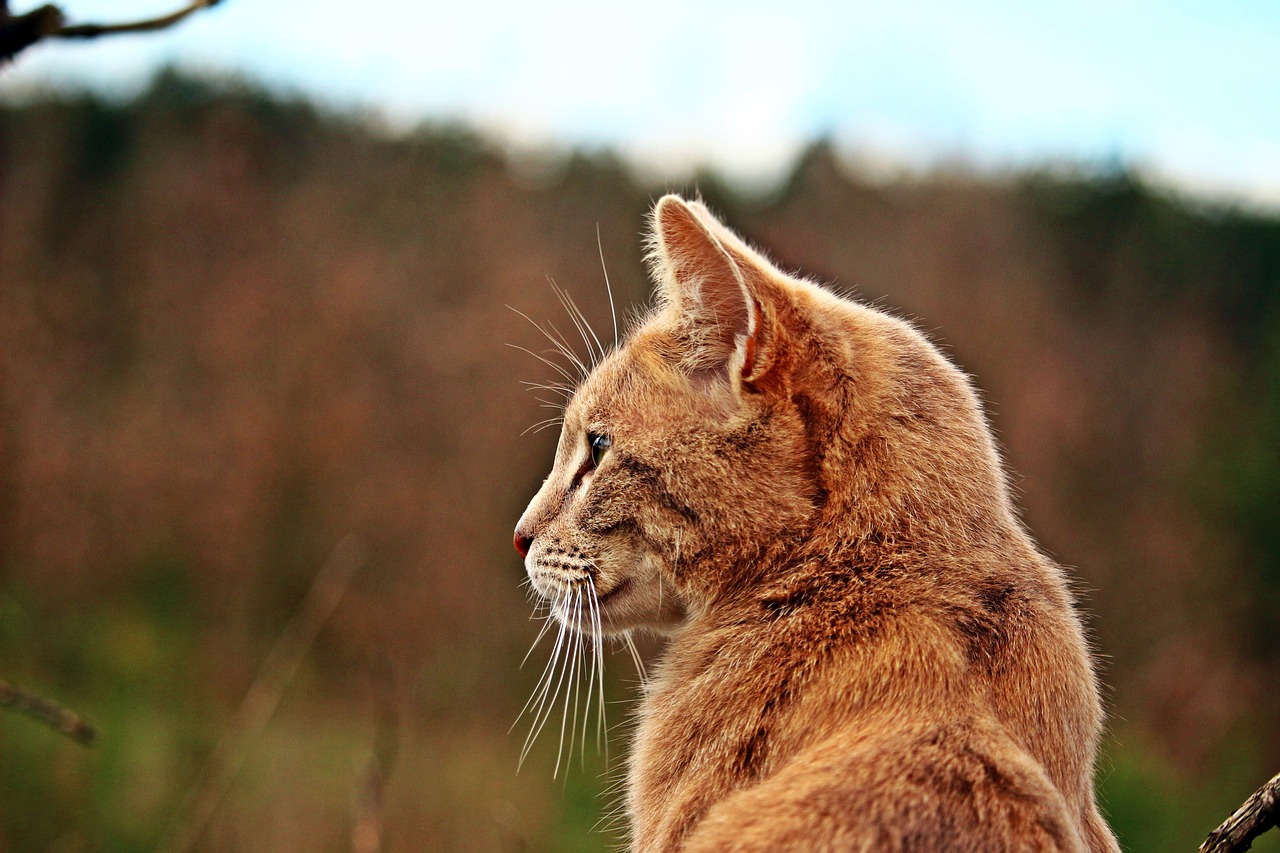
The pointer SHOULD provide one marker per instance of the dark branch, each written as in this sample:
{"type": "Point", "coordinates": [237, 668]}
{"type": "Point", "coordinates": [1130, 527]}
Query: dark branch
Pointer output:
{"type": "Point", "coordinates": [46, 711]}
{"type": "Point", "coordinates": [1258, 814]}
{"type": "Point", "coordinates": [18, 32]}
{"type": "Point", "coordinates": [88, 31]}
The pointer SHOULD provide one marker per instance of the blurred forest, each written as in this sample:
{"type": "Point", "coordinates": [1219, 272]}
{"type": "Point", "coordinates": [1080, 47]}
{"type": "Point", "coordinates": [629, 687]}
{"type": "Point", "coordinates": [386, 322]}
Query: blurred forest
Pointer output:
{"type": "Point", "coordinates": [236, 331]}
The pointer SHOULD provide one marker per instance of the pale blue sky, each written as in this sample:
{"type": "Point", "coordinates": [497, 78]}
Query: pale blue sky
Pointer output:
{"type": "Point", "coordinates": [1188, 91]}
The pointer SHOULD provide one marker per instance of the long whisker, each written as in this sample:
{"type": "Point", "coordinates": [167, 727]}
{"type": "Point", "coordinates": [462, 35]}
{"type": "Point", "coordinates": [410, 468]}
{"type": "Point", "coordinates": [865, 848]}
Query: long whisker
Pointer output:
{"type": "Point", "coordinates": [538, 689]}
{"type": "Point", "coordinates": [546, 626]}
{"type": "Point", "coordinates": [553, 422]}
{"type": "Point", "coordinates": [593, 673]}
{"type": "Point", "coordinates": [574, 317]}
{"type": "Point", "coordinates": [584, 326]}
{"type": "Point", "coordinates": [556, 387]}
{"type": "Point", "coordinates": [576, 656]}
{"type": "Point", "coordinates": [561, 345]}
{"type": "Point", "coordinates": [575, 645]}
{"type": "Point", "coordinates": [583, 659]}
{"type": "Point", "coordinates": [597, 636]}
{"type": "Point", "coordinates": [542, 711]}
{"type": "Point", "coordinates": [602, 726]}
{"type": "Point", "coordinates": [541, 425]}
{"type": "Point", "coordinates": [589, 650]}
{"type": "Point", "coordinates": [635, 657]}
{"type": "Point", "coordinates": [556, 367]}
{"type": "Point", "coordinates": [543, 682]}
{"type": "Point", "coordinates": [608, 287]}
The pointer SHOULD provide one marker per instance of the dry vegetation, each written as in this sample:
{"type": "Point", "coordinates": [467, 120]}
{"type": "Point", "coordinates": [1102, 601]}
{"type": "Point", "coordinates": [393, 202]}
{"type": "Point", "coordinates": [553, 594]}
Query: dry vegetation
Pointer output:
{"type": "Point", "coordinates": [235, 332]}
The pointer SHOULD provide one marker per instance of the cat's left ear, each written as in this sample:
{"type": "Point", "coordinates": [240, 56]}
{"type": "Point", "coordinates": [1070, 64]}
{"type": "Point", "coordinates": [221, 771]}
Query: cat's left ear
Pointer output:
{"type": "Point", "coordinates": [725, 321]}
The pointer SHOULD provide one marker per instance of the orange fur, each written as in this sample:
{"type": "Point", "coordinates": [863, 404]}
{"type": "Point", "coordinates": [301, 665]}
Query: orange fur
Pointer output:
{"type": "Point", "coordinates": [867, 651]}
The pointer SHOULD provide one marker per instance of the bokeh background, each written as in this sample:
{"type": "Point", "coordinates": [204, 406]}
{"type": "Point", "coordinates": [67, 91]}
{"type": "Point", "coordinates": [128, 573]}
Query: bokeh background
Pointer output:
{"type": "Point", "coordinates": [257, 405]}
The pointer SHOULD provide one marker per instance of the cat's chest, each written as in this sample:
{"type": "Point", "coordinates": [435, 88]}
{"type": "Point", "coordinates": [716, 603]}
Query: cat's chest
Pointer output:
{"type": "Point", "coordinates": [680, 765]}
{"type": "Point", "coordinates": [704, 730]}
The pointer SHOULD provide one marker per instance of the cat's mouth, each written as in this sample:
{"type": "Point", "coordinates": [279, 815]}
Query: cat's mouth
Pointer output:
{"type": "Point", "coordinates": [554, 586]}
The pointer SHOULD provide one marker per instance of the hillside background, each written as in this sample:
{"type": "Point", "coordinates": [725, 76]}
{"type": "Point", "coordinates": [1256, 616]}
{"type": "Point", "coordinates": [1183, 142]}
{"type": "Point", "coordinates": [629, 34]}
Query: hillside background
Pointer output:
{"type": "Point", "coordinates": [236, 332]}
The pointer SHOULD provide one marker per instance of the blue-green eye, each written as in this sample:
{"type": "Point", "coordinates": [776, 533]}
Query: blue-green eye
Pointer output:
{"type": "Point", "coordinates": [600, 445]}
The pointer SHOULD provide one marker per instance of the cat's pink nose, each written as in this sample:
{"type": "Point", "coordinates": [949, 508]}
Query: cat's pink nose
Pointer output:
{"type": "Point", "coordinates": [522, 543]}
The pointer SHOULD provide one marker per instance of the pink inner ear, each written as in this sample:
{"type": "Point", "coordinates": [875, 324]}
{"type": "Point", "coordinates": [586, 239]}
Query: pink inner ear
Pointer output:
{"type": "Point", "coordinates": [707, 284]}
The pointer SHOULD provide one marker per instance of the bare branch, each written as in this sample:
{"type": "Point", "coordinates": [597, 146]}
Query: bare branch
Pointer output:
{"type": "Point", "coordinates": [88, 31]}
{"type": "Point", "coordinates": [47, 711]}
{"type": "Point", "coordinates": [18, 32]}
{"type": "Point", "coordinates": [1258, 814]}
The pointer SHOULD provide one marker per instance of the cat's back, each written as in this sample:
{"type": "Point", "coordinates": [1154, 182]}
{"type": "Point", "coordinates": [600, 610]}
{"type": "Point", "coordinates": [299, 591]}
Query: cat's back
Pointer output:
{"type": "Point", "coordinates": [910, 657]}
{"type": "Point", "coordinates": [948, 723]}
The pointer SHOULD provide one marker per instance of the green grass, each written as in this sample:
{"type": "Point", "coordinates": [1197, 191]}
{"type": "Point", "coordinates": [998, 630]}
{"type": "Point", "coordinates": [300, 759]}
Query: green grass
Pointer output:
{"type": "Point", "coordinates": [452, 780]}
{"type": "Point", "coordinates": [1155, 808]}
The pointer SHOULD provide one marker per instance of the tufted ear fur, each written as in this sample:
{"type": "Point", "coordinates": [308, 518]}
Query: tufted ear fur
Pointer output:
{"type": "Point", "coordinates": [710, 286]}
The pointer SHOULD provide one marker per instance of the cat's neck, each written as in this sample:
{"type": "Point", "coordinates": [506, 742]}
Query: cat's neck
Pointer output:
{"type": "Point", "coordinates": [846, 565]}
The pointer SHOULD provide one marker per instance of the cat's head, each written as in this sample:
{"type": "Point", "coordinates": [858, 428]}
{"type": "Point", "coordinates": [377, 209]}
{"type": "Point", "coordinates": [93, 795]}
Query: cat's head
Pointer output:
{"type": "Point", "coordinates": [708, 440]}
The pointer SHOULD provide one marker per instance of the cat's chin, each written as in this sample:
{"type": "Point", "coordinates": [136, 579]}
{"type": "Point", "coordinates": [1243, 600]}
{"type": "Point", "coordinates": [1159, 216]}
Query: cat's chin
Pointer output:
{"type": "Point", "coordinates": [619, 608]}
{"type": "Point", "coordinates": [604, 608]}
{"type": "Point", "coordinates": [613, 593]}
{"type": "Point", "coordinates": [629, 606]}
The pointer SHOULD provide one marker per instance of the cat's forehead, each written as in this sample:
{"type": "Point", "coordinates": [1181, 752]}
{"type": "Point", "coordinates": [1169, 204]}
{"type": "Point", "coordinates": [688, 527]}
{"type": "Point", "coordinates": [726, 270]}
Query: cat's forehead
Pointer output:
{"type": "Point", "coordinates": [601, 392]}
{"type": "Point", "coordinates": [626, 385]}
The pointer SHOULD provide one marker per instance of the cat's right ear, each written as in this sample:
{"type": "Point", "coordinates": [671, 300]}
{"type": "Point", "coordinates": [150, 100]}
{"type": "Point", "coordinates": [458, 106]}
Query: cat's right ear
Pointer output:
{"type": "Point", "coordinates": [721, 321]}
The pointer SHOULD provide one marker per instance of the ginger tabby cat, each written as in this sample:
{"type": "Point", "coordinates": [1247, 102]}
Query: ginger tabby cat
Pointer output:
{"type": "Point", "coordinates": [867, 651]}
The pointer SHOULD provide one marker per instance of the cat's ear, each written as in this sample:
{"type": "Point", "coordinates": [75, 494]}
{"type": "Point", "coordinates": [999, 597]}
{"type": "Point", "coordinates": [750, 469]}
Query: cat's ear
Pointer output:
{"type": "Point", "coordinates": [746, 258]}
{"type": "Point", "coordinates": [722, 320]}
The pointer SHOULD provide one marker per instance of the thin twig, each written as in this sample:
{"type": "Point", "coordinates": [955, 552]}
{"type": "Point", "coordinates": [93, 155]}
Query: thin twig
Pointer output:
{"type": "Point", "coordinates": [18, 32]}
{"type": "Point", "coordinates": [1258, 814]}
{"type": "Point", "coordinates": [263, 696]}
{"type": "Point", "coordinates": [88, 31]}
{"type": "Point", "coordinates": [48, 712]}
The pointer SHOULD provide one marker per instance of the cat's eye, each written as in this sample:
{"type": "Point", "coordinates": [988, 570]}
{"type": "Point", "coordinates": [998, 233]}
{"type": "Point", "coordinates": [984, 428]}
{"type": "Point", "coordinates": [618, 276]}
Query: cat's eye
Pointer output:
{"type": "Point", "coordinates": [600, 445]}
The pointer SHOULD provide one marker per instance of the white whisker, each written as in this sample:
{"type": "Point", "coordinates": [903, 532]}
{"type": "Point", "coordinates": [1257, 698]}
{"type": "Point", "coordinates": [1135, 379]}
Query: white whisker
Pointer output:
{"type": "Point", "coordinates": [542, 711]}
{"type": "Point", "coordinates": [543, 681]}
{"type": "Point", "coordinates": [543, 424]}
{"type": "Point", "coordinates": [574, 317]}
{"type": "Point", "coordinates": [576, 656]}
{"type": "Point", "coordinates": [573, 650]}
{"type": "Point", "coordinates": [556, 367]}
{"type": "Point", "coordinates": [562, 345]}
{"type": "Point", "coordinates": [554, 387]}
{"type": "Point", "coordinates": [579, 319]}
{"type": "Point", "coordinates": [635, 657]}
{"type": "Point", "coordinates": [608, 287]}
{"type": "Point", "coordinates": [602, 726]}
{"type": "Point", "coordinates": [584, 658]}
{"type": "Point", "coordinates": [546, 626]}
{"type": "Point", "coordinates": [547, 424]}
